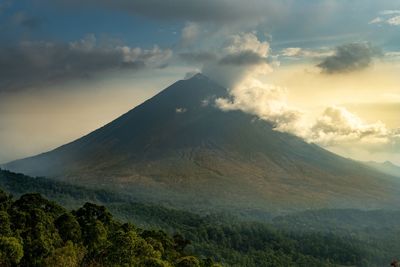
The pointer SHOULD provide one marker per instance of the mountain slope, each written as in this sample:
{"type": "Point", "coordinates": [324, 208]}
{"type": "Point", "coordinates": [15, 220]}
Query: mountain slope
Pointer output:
{"type": "Point", "coordinates": [179, 147]}
{"type": "Point", "coordinates": [385, 167]}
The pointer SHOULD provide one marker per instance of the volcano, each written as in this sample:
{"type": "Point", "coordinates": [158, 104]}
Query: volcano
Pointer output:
{"type": "Point", "coordinates": [179, 147]}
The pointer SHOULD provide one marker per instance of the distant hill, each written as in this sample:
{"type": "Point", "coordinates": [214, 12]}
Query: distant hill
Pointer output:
{"type": "Point", "coordinates": [179, 148]}
{"type": "Point", "coordinates": [386, 167]}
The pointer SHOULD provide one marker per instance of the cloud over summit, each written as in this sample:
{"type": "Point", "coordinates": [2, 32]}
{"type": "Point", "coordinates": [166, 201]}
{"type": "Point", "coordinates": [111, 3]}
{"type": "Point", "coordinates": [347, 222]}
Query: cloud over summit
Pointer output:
{"type": "Point", "coordinates": [240, 56]}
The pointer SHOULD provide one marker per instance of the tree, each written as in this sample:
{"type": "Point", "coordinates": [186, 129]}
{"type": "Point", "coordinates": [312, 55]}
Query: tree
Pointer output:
{"type": "Point", "coordinates": [128, 249]}
{"type": "Point", "coordinates": [5, 224]}
{"type": "Point", "coordinates": [153, 262]}
{"type": "Point", "coordinates": [180, 242]}
{"type": "Point", "coordinates": [5, 200]}
{"type": "Point", "coordinates": [94, 222]}
{"type": "Point", "coordinates": [188, 261]}
{"type": "Point", "coordinates": [11, 251]}
{"type": "Point", "coordinates": [38, 232]}
{"type": "Point", "coordinates": [68, 228]}
{"type": "Point", "coordinates": [91, 212]}
{"type": "Point", "coordinates": [69, 255]}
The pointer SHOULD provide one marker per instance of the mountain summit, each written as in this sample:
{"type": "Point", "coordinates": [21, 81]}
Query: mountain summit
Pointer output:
{"type": "Point", "coordinates": [178, 146]}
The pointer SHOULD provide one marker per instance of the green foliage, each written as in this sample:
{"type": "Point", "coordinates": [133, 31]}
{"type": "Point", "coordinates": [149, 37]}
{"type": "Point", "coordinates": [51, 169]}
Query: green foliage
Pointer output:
{"type": "Point", "coordinates": [11, 251]}
{"type": "Point", "coordinates": [69, 255]}
{"type": "Point", "coordinates": [5, 224]}
{"type": "Point", "coordinates": [312, 238]}
{"type": "Point", "coordinates": [188, 261]}
{"type": "Point", "coordinates": [129, 249]}
{"type": "Point", "coordinates": [68, 228]}
{"type": "Point", "coordinates": [5, 199]}
{"type": "Point", "coordinates": [38, 232]}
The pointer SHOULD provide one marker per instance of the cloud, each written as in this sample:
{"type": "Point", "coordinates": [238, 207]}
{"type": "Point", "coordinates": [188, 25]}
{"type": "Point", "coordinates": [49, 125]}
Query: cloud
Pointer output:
{"type": "Point", "coordinates": [297, 52]}
{"type": "Point", "coordinates": [394, 21]}
{"type": "Point", "coordinates": [27, 21]}
{"type": "Point", "coordinates": [198, 57]}
{"type": "Point", "coordinates": [180, 110]}
{"type": "Point", "coordinates": [337, 125]}
{"type": "Point", "coordinates": [240, 56]}
{"type": "Point", "coordinates": [291, 51]}
{"type": "Point", "coordinates": [265, 101]}
{"type": "Point", "coordinates": [376, 20]}
{"type": "Point", "coordinates": [335, 128]}
{"type": "Point", "coordinates": [390, 12]}
{"type": "Point", "coordinates": [243, 58]}
{"type": "Point", "coordinates": [385, 18]}
{"type": "Point", "coordinates": [190, 33]}
{"type": "Point", "coordinates": [190, 74]}
{"type": "Point", "coordinates": [349, 57]}
{"type": "Point", "coordinates": [343, 132]}
{"type": "Point", "coordinates": [188, 10]}
{"type": "Point", "coordinates": [238, 64]}
{"type": "Point", "coordinates": [38, 63]}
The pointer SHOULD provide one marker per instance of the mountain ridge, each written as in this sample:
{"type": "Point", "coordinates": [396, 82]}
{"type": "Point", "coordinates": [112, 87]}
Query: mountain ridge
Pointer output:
{"type": "Point", "coordinates": [180, 147]}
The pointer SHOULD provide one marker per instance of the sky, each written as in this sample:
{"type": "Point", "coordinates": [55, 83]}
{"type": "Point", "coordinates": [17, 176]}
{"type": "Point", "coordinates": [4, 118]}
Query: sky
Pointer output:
{"type": "Point", "coordinates": [324, 70]}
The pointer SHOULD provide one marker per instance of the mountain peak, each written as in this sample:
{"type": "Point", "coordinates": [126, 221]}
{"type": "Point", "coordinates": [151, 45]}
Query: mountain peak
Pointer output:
{"type": "Point", "coordinates": [192, 91]}
{"type": "Point", "coordinates": [178, 146]}
{"type": "Point", "coordinates": [389, 163]}
{"type": "Point", "coordinates": [197, 76]}
{"type": "Point", "coordinates": [200, 76]}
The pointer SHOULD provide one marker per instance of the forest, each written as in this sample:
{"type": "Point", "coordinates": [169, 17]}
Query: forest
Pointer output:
{"type": "Point", "coordinates": [37, 232]}
{"type": "Point", "coordinates": [99, 228]}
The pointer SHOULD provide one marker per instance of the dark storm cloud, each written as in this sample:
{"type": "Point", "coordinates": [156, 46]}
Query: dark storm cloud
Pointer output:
{"type": "Point", "coordinates": [349, 57]}
{"type": "Point", "coordinates": [243, 58]}
{"type": "Point", "coordinates": [39, 63]}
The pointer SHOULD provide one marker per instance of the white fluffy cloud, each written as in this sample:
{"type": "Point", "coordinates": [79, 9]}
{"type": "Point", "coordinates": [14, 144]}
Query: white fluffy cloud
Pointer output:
{"type": "Point", "coordinates": [337, 125]}
{"type": "Point", "coordinates": [153, 57]}
{"type": "Point", "coordinates": [190, 33]}
{"type": "Point", "coordinates": [263, 100]}
{"type": "Point", "coordinates": [390, 17]}
{"type": "Point", "coordinates": [394, 21]}
{"type": "Point", "coordinates": [336, 128]}
{"type": "Point", "coordinates": [246, 42]}
{"type": "Point", "coordinates": [241, 56]}
{"type": "Point", "coordinates": [242, 63]}
{"type": "Point", "coordinates": [245, 60]}
{"type": "Point", "coordinates": [345, 133]}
